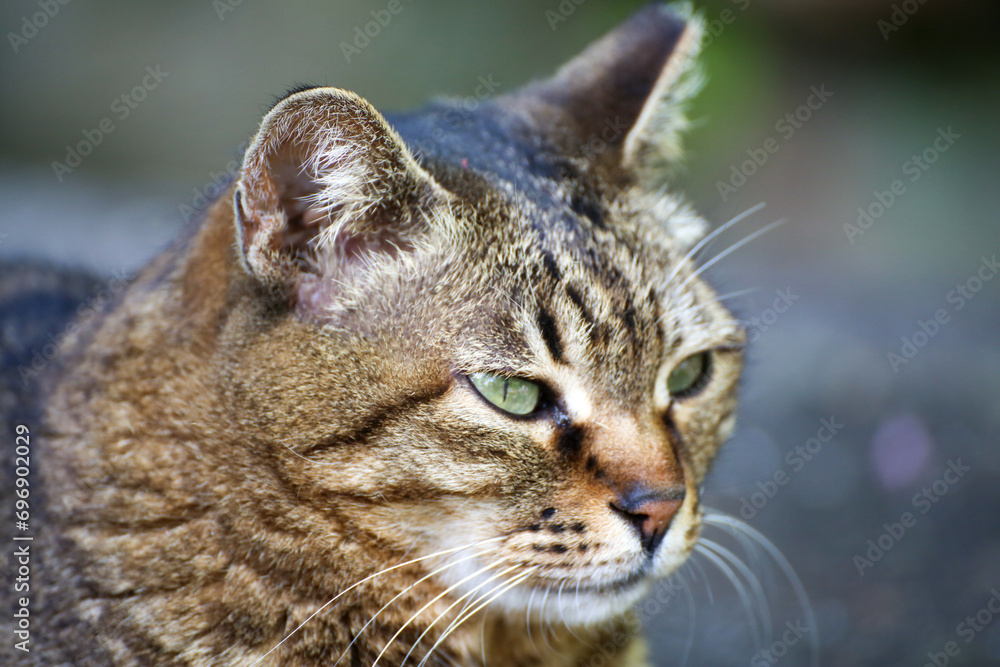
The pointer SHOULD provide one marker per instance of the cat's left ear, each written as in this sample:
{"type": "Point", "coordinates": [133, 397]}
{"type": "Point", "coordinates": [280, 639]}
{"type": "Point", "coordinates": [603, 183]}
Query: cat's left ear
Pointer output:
{"type": "Point", "coordinates": [329, 190]}
{"type": "Point", "coordinates": [620, 103]}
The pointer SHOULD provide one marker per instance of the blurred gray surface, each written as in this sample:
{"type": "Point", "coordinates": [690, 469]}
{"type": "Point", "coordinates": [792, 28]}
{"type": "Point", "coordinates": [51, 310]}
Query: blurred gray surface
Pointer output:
{"type": "Point", "coordinates": [853, 298]}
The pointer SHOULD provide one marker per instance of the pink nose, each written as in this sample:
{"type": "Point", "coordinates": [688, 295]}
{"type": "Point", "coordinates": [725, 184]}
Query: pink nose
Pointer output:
{"type": "Point", "coordinates": [650, 512]}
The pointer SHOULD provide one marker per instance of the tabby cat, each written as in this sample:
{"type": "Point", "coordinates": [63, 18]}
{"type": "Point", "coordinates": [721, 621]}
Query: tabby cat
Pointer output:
{"type": "Point", "coordinates": [435, 388]}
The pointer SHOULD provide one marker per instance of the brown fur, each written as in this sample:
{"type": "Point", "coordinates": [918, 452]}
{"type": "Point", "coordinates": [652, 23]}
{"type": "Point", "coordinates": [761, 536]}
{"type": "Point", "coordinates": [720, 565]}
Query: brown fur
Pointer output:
{"type": "Point", "coordinates": [274, 415]}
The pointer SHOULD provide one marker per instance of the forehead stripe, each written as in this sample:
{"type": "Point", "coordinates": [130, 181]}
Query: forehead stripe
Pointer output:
{"type": "Point", "coordinates": [550, 334]}
{"type": "Point", "coordinates": [577, 300]}
{"type": "Point", "coordinates": [552, 267]}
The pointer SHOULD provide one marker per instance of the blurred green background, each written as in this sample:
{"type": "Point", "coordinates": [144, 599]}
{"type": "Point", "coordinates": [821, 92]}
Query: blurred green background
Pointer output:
{"type": "Point", "coordinates": [895, 75]}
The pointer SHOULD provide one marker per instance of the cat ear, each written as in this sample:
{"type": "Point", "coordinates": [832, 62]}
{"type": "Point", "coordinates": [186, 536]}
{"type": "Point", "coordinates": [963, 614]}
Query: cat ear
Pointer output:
{"type": "Point", "coordinates": [620, 103]}
{"type": "Point", "coordinates": [328, 187]}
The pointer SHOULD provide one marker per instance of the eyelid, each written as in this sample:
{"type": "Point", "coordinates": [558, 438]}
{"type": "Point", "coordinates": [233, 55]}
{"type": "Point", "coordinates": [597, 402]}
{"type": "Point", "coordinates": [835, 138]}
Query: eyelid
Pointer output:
{"type": "Point", "coordinates": [527, 399]}
{"type": "Point", "coordinates": [700, 381]}
{"type": "Point", "coordinates": [662, 398]}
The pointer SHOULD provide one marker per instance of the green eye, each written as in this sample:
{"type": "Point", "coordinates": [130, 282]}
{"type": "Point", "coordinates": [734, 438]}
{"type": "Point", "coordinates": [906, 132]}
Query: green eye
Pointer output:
{"type": "Point", "coordinates": [513, 395]}
{"type": "Point", "coordinates": [689, 376]}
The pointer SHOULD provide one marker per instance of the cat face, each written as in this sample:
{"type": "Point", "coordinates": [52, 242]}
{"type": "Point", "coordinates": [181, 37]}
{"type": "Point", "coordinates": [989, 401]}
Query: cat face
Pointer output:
{"type": "Point", "coordinates": [495, 352]}
{"type": "Point", "coordinates": [576, 412]}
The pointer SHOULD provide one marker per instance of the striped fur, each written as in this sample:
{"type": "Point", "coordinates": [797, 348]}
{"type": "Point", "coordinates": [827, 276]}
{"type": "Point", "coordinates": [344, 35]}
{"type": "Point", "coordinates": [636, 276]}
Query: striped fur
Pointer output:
{"type": "Point", "coordinates": [270, 452]}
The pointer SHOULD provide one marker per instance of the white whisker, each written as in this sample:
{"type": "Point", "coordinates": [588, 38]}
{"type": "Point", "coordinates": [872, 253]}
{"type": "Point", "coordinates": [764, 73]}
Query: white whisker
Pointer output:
{"type": "Point", "coordinates": [562, 612]}
{"type": "Point", "coordinates": [723, 567]}
{"type": "Point", "coordinates": [289, 448]}
{"type": "Point", "coordinates": [693, 252]}
{"type": "Point", "coordinates": [730, 250]}
{"type": "Point", "coordinates": [455, 625]}
{"type": "Point", "coordinates": [437, 597]}
{"type": "Point", "coordinates": [704, 577]}
{"type": "Point", "coordinates": [482, 640]}
{"type": "Point", "coordinates": [546, 622]}
{"type": "Point", "coordinates": [734, 526]}
{"type": "Point", "coordinates": [704, 243]}
{"type": "Point", "coordinates": [527, 618]}
{"type": "Point", "coordinates": [751, 579]}
{"type": "Point", "coordinates": [693, 616]}
{"type": "Point", "coordinates": [363, 581]}
{"type": "Point", "coordinates": [397, 596]}
{"type": "Point", "coordinates": [468, 597]}
{"type": "Point", "coordinates": [576, 595]}
{"type": "Point", "coordinates": [700, 307]}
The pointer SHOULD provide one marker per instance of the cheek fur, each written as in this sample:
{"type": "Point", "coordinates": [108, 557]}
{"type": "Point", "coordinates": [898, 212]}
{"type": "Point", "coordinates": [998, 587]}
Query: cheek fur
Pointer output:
{"type": "Point", "coordinates": [265, 448]}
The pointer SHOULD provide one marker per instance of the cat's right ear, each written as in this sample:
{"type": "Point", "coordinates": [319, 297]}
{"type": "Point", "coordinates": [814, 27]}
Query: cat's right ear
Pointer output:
{"type": "Point", "coordinates": [620, 104]}
{"type": "Point", "coordinates": [327, 189]}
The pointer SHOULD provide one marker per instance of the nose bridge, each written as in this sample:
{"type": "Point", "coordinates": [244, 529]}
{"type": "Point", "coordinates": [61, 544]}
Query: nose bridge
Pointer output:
{"type": "Point", "coordinates": [633, 456]}
{"type": "Point", "coordinates": [638, 464]}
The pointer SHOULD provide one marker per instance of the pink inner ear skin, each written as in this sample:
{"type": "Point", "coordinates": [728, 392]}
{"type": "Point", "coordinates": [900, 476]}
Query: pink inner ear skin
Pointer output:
{"type": "Point", "coordinates": [314, 216]}
{"type": "Point", "coordinates": [345, 259]}
{"type": "Point", "coordinates": [356, 248]}
{"type": "Point", "coordinates": [313, 295]}
{"type": "Point", "coordinates": [343, 187]}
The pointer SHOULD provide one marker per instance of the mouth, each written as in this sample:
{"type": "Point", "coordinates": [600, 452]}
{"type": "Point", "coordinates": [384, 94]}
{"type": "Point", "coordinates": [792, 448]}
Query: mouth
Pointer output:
{"type": "Point", "coordinates": [577, 583]}
{"type": "Point", "coordinates": [580, 595]}
{"type": "Point", "coordinates": [620, 585]}
{"type": "Point", "coordinates": [577, 603]}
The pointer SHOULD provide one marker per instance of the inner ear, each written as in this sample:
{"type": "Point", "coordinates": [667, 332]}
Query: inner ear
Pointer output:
{"type": "Point", "coordinates": [297, 194]}
{"type": "Point", "coordinates": [619, 104]}
{"type": "Point", "coordinates": [328, 188]}
{"type": "Point", "coordinates": [326, 222]}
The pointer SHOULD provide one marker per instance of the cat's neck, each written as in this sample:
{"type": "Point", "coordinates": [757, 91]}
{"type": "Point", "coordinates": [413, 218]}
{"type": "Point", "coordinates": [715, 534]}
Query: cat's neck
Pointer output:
{"type": "Point", "coordinates": [254, 576]}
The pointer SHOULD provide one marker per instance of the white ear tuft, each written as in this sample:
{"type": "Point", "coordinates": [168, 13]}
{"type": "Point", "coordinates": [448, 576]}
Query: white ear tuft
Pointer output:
{"type": "Point", "coordinates": [654, 143]}
{"type": "Point", "coordinates": [620, 102]}
{"type": "Point", "coordinates": [667, 221]}
{"type": "Point", "coordinates": [326, 182]}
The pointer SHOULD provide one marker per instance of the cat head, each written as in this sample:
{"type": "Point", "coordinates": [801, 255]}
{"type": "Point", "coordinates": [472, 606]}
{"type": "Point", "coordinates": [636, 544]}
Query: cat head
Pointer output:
{"type": "Point", "coordinates": [480, 334]}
